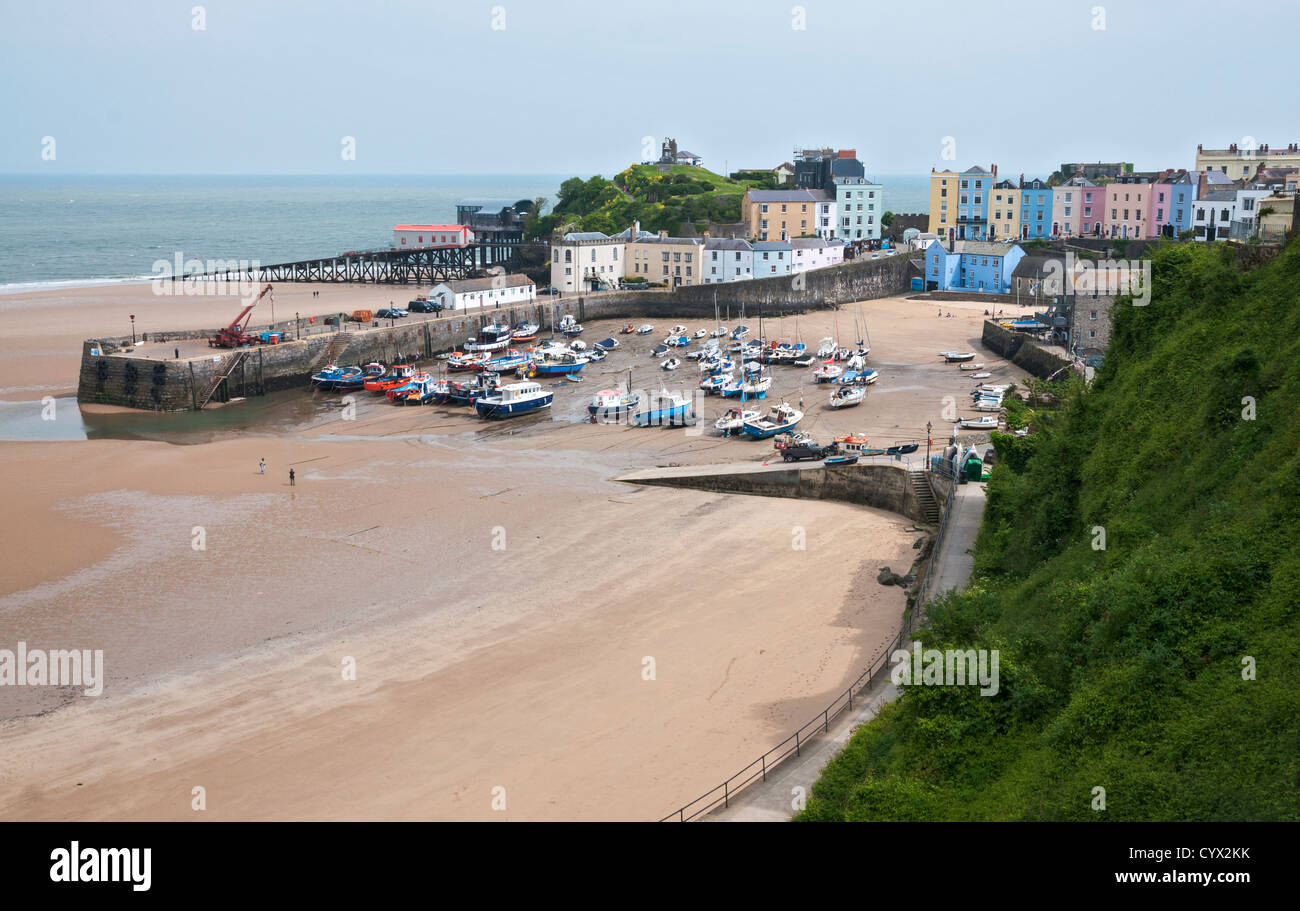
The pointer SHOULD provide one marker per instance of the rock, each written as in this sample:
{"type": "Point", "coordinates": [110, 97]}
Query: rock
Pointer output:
{"type": "Point", "coordinates": [916, 545]}
{"type": "Point", "coordinates": [885, 576]}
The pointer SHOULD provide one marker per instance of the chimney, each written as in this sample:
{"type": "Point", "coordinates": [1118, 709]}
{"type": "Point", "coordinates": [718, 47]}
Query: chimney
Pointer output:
{"type": "Point", "coordinates": [663, 235]}
{"type": "Point", "coordinates": [1198, 147]}
{"type": "Point", "coordinates": [995, 172]}
{"type": "Point", "coordinates": [1022, 181]}
{"type": "Point", "coordinates": [636, 228]}
{"type": "Point", "coordinates": [848, 153]}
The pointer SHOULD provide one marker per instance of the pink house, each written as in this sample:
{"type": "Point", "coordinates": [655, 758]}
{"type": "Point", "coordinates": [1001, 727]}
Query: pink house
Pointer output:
{"type": "Point", "coordinates": [1092, 210]}
{"type": "Point", "coordinates": [1128, 200]}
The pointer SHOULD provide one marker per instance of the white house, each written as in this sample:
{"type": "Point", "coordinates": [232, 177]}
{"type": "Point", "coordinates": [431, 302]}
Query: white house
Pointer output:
{"type": "Point", "coordinates": [418, 236]}
{"type": "Point", "coordinates": [771, 257]}
{"type": "Point", "coordinates": [814, 253]}
{"type": "Point", "coordinates": [495, 292]}
{"type": "Point", "coordinates": [587, 261]}
{"type": "Point", "coordinates": [727, 259]}
{"type": "Point", "coordinates": [826, 219]}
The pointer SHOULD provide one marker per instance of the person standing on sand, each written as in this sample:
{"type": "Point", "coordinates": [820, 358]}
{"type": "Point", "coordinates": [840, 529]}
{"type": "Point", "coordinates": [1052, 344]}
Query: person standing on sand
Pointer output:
{"type": "Point", "coordinates": [290, 477]}
{"type": "Point", "coordinates": [261, 467]}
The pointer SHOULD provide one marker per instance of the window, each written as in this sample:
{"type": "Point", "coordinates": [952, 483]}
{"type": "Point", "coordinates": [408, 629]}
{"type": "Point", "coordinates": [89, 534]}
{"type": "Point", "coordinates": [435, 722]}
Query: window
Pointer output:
{"type": "Point", "coordinates": [1092, 315]}
{"type": "Point", "coordinates": [616, 254]}
{"type": "Point", "coordinates": [763, 208]}
{"type": "Point", "coordinates": [715, 257]}
{"type": "Point", "coordinates": [1092, 333]}
{"type": "Point", "coordinates": [568, 256]}
{"type": "Point", "coordinates": [593, 254]}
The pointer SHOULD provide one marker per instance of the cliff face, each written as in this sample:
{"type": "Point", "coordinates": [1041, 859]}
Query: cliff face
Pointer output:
{"type": "Point", "coordinates": [1137, 572]}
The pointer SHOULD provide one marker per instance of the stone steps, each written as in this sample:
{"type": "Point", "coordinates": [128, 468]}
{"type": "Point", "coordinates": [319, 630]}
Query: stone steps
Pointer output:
{"type": "Point", "coordinates": [925, 496]}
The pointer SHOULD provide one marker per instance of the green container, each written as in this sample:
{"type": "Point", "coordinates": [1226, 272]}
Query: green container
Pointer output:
{"type": "Point", "coordinates": [974, 470]}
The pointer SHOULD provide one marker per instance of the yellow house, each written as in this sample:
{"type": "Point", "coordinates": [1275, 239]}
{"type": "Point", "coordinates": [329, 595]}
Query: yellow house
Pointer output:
{"type": "Point", "coordinates": [1004, 211]}
{"type": "Point", "coordinates": [1275, 217]}
{"type": "Point", "coordinates": [782, 214]}
{"type": "Point", "coordinates": [943, 201]}
{"type": "Point", "coordinates": [1243, 161]}
{"type": "Point", "coordinates": [674, 261]}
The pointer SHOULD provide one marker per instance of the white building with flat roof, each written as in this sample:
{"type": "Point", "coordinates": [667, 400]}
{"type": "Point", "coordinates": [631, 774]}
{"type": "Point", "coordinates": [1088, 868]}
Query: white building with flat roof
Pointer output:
{"type": "Point", "coordinates": [587, 261]}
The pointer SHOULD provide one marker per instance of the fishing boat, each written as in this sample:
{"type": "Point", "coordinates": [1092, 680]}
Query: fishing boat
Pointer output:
{"type": "Point", "coordinates": [954, 357]}
{"type": "Point", "coordinates": [525, 331]}
{"type": "Point", "coordinates": [396, 376]}
{"type": "Point", "coordinates": [596, 354]}
{"type": "Point", "coordinates": [826, 348]}
{"type": "Point", "coordinates": [609, 344]}
{"type": "Point", "coordinates": [827, 372]}
{"type": "Point", "coordinates": [970, 366]}
{"type": "Point", "coordinates": [570, 327]}
{"type": "Point", "coordinates": [661, 408]}
{"type": "Point", "coordinates": [510, 360]}
{"type": "Point", "coordinates": [734, 420]}
{"type": "Point", "coordinates": [353, 381]}
{"type": "Point", "coordinates": [671, 364]}
{"type": "Point", "coordinates": [841, 460]}
{"type": "Point", "coordinates": [902, 449]}
{"type": "Point", "coordinates": [700, 333]}
{"type": "Point", "coordinates": [987, 422]}
{"type": "Point", "coordinates": [467, 393]}
{"type": "Point", "coordinates": [496, 337]}
{"type": "Point", "coordinates": [714, 383]}
{"type": "Point", "coordinates": [410, 393]}
{"type": "Point", "coordinates": [553, 363]}
{"type": "Point", "coordinates": [512, 400]}
{"type": "Point", "coordinates": [645, 329]}
{"type": "Point", "coordinates": [331, 375]}
{"type": "Point", "coordinates": [781, 419]}
{"type": "Point", "coordinates": [854, 442]}
{"type": "Point", "coordinates": [847, 396]}
{"type": "Point", "coordinates": [612, 403]}
{"type": "Point", "coordinates": [460, 361]}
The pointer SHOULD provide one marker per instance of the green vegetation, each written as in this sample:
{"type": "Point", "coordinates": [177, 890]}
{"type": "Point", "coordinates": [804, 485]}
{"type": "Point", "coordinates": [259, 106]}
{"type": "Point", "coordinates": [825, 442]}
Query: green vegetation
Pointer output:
{"type": "Point", "coordinates": [660, 201]}
{"type": "Point", "coordinates": [1122, 668]}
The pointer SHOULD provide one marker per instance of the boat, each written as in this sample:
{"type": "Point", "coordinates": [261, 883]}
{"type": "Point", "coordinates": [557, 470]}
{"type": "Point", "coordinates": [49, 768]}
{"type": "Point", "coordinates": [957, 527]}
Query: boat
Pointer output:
{"type": "Point", "coordinates": [734, 420]}
{"type": "Point", "coordinates": [826, 348]}
{"type": "Point", "coordinates": [396, 376]}
{"type": "Point", "coordinates": [349, 381]}
{"type": "Point", "coordinates": [596, 354]}
{"type": "Point", "coordinates": [677, 341]}
{"type": "Point", "coordinates": [645, 329]}
{"type": "Point", "coordinates": [841, 460]}
{"type": "Point", "coordinates": [570, 327]}
{"type": "Point", "coordinates": [412, 392]}
{"type": "Point", "coordinates": [714, 383]}
{"type": "Point", "coordinates": [578, 345]}
{"type": "Point", "coordinates": [700, 333]}
{"type": "Point", "coordinates": [496, 337]}
{"type": "Point", "coordinates": [804, 360]}
{"type": "Point", "coordinates": [847, 396]}
{"type": "Point", "coordinates": [553, 363]}
{"type": "Point", "coordinates": [781, 419]}
{"type": "Point", "coordinates": [331, 376]}
{"type": "Point", "coordinates": [902, 449]}
{"type": "Point", "coordinates": [513, 399]}
{"type": "Point", "coordinates": [510, 360]}
{"type": "Point", "coordinates": [663, 407]}
{"type": "Point", "coordinates": [994, 390]}
{"type": "Point", "coordinates": [739, 333]}
{"type": "Point", "coordinates": [854, 442]}
{"type": "Point", "coordinates": [856, 362]}
{"type": "Point", "coordinates": [671, 364]}
{"type": "Point", "coordinates": [525, 331]}
{"type": "Point", "coordinates": [827, 373]}
{"type": "Point", "coordinates": [612, 403]}
{"type": "Point", "coordinates": [462, 360]}
{"type": "Point", "coordinates": [987, 422]}
{"type": "Point", "coordinates": [988, 405]}
{"type": "Point", "coordinates": [970, 366]}
{"type": "Point", "coordinates": [953, 357]}
{"type": "Point", "coordinates": [627, 330]}
{"type": "Point", "coordinates": [659, 350]}
{"type": "Point", "coordinates": [678, 329]}
{"type": "Point", "coordinates": [842, 354]}
{"type": "Point", "coordinates": [454, 393]}
{"type": "Point", "coordinates": [720, 332]}
{"type": "Point", "coordinates": [609, 344]}
{"type": "Point", "coordinates": [859, 377]}
{"type": "Point", "coordinates": [980, 376]}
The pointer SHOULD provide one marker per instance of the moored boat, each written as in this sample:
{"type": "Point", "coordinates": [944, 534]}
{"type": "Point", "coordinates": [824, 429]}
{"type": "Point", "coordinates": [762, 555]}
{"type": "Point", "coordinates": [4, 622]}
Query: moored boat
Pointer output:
{"type": "Point", "coordinates": [664, 407]}
{"type": "Point", "coordinates": [525, 331]}
{"type": "Point", "coordinates": [954, 357]}
{"type": "Point", "coordinates": [987, 422]}
{"type": "Point", "coordinates": [827, 373]}
{"type": "Point", "coordinates": [513, 399]}
{"type": "Point", "coordinates": [496, 337]}
{"type": "Point", "coordinates": [612, 403]}
{"type": "Point", "coordinates": [847, 396]}
{"type": "Point", "coordinates": [570, 327]}
{"type": "Point", "coordinates": [780, 419]}
{"type": "Point", "coordinates": [734, 420]}
{"type": "Point", "coordinates": [552, 363]}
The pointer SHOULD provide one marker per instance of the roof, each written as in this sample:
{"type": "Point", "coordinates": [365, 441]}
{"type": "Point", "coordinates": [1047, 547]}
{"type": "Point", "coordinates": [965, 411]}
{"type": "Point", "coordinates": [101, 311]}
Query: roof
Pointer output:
{"type": "Point", "coordinates": [460, 286]}
{"type": "Point", "coordinates": [429, 228]}
{"type": "Point", "coordinates": [804, 243]}
{"type": "Point", "coordinates": [727, 243]}
{"type": "Point", "coordinates": [626, 234]}
{"type": "Point", "coordinates": [975, 169]}
{"type": "Point", "coordinates": [487, 202]}
{"type": "Point", "coordinates": [789, 196]}
{"type": "Point", "coordinates": [847, 167]}
{"type": "Point", "coordinates": [1219, 196]}
{"type": "Point", "coordinates": [1034, 264]}
{"type": "Point", "coordinates": [765, 245]}
{"type": "Point", "coordinates": [656, 239]}
{"type": "Point", "coordinates": [585, 235]}
{"type": "Point", "coordinates": [687, 155]}
{"type": "Point", "coordinates": [979, 248]}
{"type": "Point", "coordinates": [1217, 177]}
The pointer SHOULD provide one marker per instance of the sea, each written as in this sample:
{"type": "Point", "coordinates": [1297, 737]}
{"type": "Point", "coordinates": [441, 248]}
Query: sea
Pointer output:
{"type": "Point", "coordinates": [74, 231]}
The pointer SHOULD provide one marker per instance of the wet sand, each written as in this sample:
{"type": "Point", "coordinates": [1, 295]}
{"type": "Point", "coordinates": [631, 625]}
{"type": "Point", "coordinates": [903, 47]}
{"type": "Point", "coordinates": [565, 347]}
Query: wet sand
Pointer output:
{"type": "Point", "coordinates": [499, 594]}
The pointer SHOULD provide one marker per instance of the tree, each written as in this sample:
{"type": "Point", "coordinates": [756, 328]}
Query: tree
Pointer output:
{"type": "Point", "coordinates": [887, 219]}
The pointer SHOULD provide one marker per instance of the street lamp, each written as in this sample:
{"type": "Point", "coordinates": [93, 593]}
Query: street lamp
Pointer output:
{"type": "Point", "coordinates": [928, 440]}
{"type": "Point", "coordinates": [132, 330]}
{"type": "Point", "coordinates": [297, 326]}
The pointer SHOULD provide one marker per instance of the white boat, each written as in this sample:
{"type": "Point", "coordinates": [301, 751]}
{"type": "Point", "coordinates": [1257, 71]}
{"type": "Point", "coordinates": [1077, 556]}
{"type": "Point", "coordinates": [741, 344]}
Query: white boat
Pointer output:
{"type": "Point", "coordinates": [988, 405]}
{"type": "Point", "coordinates": [645, 329]}
{"type": "Point", "coordinates": [826, 348]}
{"type": "Point", "coordinates": [578, 346]}
{"type": "Point", "coordinates": [513, 399]}
{"type": "Point", "coordinates": [496, 337]}
{"type": "Point", "coordinates": [781, 419]}
{"type": "Point", "coordinates": [700, 333]}
{"type": "Point", "coordinates": [856, 362]}
{"type": "Point", "coordinates": [756, 387]}
{"type": "Point", "coordinates": [954, 357]}
{"type": "Point", "coordinates": [677, 330]}
{"type": "Point", "coordinates": [988, 422]}
{"type": "Point", "coordinates": [970, 366]}
{"type": "Point", "coordinates": [734, 420]}
{"type": "Point", "coordinates": [609, 403]}
{"type": "Point", "coordinates": [983, 388]}
{"type": "Point", "coordinates": [714, 383]}
{"type": "Point", "coordinates": [525, 331]}
{"type": "Point", "coordinates": [827, 373]}
{"type": "Point", "coordinates": [596, 354]}
{"type": "Point", "coordinates": [980, 376]}
{"type": "Point", "coordinates": [569, 326]}
{"type": "Point", "coordinates": [739, 333]}
{"type": "Point", "coordinates": [847, 396]}
{"type": "Point", "coordinates": [720, 332]}
{"type": "Point", "coordinates": [671, 364]}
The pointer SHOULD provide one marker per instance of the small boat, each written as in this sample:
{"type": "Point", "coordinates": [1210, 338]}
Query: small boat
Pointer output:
{"type": "Point", "coordinates": [804, 360]}
{"type": "Point", "coordinates": [662, 408]}
{"type": "Point", "coordinates": [358, 381]}
{"type": "Point", "coordinates": [671, 364]}
{"type": "Point", "coordinates": [714, 383]}
{"type": "Point", "coordinates": [847, 396]}
{"type": "Point", "coordinates": [902, 449]}
{"type": "Point", "coordinates": [553, 363]}
{"type": "Point", "coordinates": [739, 333]}
{"type": "Point", "coordinates": [854, 443]}
{"type": "Point", "coordinates": [513, 399]}
{"type": "Point", "coordinates": [993, 390]}
{"type": "Point", "coordinates": [510, 360]}
{"type": "Point", "coordinates": [574, 378]}
{"type": "Point", "coordinates": [734, 420]}
{"type": "Point", "coordinates": [980, 376]}
{"type": "Point", "coordinates": [856, 362]}
{"type": "Point", "coordinates": [419, 383]}
{"type": "Point", "coordinates": [570, 327]}
{"type": "Point", "coordinates": [609, 344]}
{"type": "Point", "coordinates": [700, 333]}
{"type": "Point", "coordinates": [496, 337]}
{"type": "Point", "coordinates": [678, 329]}
{"type": "Point", "coordinates": [396, 376]}
{"type": "Point", "coordinates": [970, 366]}
{"type": "Point", "coordinates": [677, 341]}
{"type": "Point", "coordinates": [627, 330]}
{"type": "Point", "coordinates": [841, 460]}
{"type": "Point", "coordinates": [578, 345]}
{"type": "Point", "coordinates": [659, 350]}
{"type": "Point", "coordinates": [645, 329]}
{"type": "Point", "coordinates": [461, 360]}
{"type": "Point", "coordinates": [525, 331]}
{"type": "Point", "coordinates": [596, 354]}
{"type": "Point", "coordinates": [612, 403]}
{"type": "Point", "coordinates": [842, 354]}
{"type": "Point", "coordinates": [826, 348]}
{"type": "Point", "coordinates": [987, 422]}
{"type": "Point", "coordinates": [827, 373]}
{"type": "Point", "coordinates": [988, 405]}
{"type": "Point", "coordinates": [720, 332]}
{"type": "Point", "coordinates": [954, 357]}
{"type": "Point", "coordinates": [332, 375]}
{"type": "Point", "coordinates": [781, 419]}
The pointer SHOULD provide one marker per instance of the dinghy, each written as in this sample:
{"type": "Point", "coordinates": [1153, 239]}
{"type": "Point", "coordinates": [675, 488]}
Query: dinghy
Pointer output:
{"type": "Point", "coordinates": [955, 357]}
{"type": "Point", "coordinates": [841, 460]}
{"type": "Point", "coordinates": [987, 422]}
{"type": "Point", "coordinates": [970, 366]}
{"type": "Point", "coordinates": [713, 384]}
{"type": "Point", "coordinates": [671, 364]}
{"type": "Point", "coordinates": [847, 396]}
{"type": "Point", "coordinates": [700, 333]}
{"type": "Point", "coordinates": [980, 376]}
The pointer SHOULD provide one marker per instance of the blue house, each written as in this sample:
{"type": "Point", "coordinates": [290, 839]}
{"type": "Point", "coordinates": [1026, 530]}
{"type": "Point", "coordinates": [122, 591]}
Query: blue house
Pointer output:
{"type": "Point", "coordinates": [772, 257]}
{"type": "Point", "coordinates": [977, 266]}
{"type": "Point", "coordinates": [973, 203]}
{"type": "Point", "coordinates": [1035, 209]}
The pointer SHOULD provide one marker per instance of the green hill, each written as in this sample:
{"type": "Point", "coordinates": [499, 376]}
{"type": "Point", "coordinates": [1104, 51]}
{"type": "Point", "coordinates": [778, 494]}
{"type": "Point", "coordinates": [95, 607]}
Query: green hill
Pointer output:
{"type": "Point", "coordinates": [1123, 668]}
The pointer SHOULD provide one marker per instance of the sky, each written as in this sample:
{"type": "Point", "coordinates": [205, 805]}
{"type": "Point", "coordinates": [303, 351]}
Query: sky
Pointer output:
{"type": "Point", "coordinates": [588, 86]}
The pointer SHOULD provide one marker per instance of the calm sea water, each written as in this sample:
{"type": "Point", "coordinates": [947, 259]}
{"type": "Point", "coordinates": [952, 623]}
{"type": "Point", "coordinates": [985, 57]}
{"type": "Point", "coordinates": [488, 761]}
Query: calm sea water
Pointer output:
{"type": "Point", "coordinates": [69, 231]}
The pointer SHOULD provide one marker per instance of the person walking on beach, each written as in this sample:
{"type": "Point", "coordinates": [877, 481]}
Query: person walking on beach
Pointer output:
{"type": "Point", "coordinates": [290, 477]}
{"type": "Point", "coordinates": [261, 467]}
{"type": "Point", "coordinates": [178, 354]}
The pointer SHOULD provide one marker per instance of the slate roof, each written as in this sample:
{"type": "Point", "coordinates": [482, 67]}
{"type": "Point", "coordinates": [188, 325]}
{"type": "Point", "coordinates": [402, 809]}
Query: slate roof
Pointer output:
{"type": "Point", "coordinates": [790, 196]}
{"type": "Point", "coordinates": [460, 286]}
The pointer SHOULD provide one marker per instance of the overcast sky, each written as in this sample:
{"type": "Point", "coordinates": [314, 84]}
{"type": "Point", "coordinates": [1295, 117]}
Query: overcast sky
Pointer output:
{"type": "Point", "coordinates": [575, 86]}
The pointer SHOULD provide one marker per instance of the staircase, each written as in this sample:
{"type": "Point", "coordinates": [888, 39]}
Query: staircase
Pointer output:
{"type": "Point", "coordinates": [221, 374]}
{"type": "Point", "coordinates": [925, 496]}
{"type": "Point", "coordinates": [338, 344]}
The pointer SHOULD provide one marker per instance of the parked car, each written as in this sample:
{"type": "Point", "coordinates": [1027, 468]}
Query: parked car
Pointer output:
{"type": "Point", "coordinates": [389, 313]}
{"type": "Point", "coordinates": [800, 451]}
{"type": "Point", "coordinates": [423, 306]}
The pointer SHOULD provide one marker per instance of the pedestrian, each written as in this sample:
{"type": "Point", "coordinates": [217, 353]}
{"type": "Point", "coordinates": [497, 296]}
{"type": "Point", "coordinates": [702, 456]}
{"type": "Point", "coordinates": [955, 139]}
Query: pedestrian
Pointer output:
{"type": "Point", "coordinates": [178, 354]}
{"type": "Point", "coordinates": [261, 467]}
{"type": "Point", "coordinates": [290, 477]}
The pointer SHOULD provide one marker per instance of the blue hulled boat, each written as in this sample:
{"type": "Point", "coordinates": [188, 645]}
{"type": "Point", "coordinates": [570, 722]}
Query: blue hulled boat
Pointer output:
{"type": "Point", "coordinates": [512, 400]}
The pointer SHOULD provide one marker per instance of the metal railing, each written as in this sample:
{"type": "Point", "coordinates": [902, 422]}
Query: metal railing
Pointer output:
{"type": "Point", "coordinates": [794, 744]}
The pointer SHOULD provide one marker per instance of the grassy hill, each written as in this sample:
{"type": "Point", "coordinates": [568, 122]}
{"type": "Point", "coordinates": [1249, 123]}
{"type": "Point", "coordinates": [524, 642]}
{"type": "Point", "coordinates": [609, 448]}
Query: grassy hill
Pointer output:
{"type": "Point", "coordinates": [1123, 668]}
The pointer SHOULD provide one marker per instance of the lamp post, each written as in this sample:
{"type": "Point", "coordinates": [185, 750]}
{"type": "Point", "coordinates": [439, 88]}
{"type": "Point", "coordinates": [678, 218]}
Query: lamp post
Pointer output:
{"type": "Point", "coordinates": [928, 441]}
{"type": "Point", "coordinates": [297, 326]}
{"type": "Point", "coordinates": [132, 330]}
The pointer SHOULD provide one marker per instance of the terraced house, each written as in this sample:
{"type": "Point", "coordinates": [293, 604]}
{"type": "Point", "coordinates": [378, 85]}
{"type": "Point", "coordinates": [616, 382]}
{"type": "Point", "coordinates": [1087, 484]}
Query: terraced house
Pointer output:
{"type": "Point", "coordinates": [672, 260]}
{"type": "Point", "coordinates": [727, 259]}
{"type": "Point", "coordinates": [978, 266]}
{"type": "Point", "coordinates": [781, 214]}
{"type": "Point", "coordinates": [966, 194]}
{"type": "Point", "coordinates": [1035, 208]}
{"type": "Point", "coordinates": [1004, 211]}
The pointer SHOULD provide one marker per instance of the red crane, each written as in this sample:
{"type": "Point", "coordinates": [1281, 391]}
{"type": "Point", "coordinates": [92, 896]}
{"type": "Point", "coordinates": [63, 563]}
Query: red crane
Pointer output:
{"type": "Point", "coordinates": [235, 335]}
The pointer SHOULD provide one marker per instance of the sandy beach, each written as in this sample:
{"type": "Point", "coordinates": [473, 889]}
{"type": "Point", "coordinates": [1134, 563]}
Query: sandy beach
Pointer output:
{"type": "Point", "coordinates": [502, 600]}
